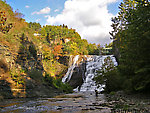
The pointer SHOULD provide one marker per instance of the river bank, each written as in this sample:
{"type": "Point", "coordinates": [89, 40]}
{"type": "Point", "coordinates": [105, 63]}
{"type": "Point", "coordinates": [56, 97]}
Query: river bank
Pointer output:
{"type": "Point", "coordinates": [133, 103]}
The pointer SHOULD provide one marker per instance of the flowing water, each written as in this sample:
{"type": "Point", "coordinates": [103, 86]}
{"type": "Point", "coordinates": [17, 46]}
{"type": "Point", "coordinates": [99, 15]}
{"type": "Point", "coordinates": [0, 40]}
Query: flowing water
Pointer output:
{"type": "Point", "coordinates": [93, 63]}
{"type": "Point", "coordinates": [67, 77]}
{"type": "Point", "coordinates": [84, 101]}
{"type": "Point", "coordinates": [71, 103]}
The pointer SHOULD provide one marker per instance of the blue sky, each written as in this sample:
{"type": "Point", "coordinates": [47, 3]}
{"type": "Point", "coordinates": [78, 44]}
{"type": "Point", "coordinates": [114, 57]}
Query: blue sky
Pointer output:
{"type": "Point", "coordinates": [91, 18]}
{"type": "Point", "coordinates": [36, 5]}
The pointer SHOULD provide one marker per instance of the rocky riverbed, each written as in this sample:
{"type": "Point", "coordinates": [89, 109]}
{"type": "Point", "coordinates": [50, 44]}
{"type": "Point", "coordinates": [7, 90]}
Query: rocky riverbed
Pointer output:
{"type": "Point", "coordinates": [128, 103]}
{"type": "Point", "coordinates": [83, 102]}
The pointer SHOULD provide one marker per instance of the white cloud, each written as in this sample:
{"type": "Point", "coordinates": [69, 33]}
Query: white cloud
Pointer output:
{"type": "Point", "coordinates": [27, 6]}
{"type": "Point", "coordinates": [89, 17]}
{"type": "Point", "coordinates": [56, 10]}
{"type": "Point", "coordinates": [37, 20]}
{"type": "Point", "coordinates": [45, 10]}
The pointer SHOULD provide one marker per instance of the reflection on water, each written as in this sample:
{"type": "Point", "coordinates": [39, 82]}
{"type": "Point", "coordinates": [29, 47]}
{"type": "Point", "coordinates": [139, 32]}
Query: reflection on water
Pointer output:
{"type": "Point", "coordinates": [72, 103]}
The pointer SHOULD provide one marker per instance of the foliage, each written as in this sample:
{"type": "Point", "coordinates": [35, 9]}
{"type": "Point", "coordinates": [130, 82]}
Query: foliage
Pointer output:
{"type": "Point", "coordinates": [18, 78]}
{"type": "Point", "coordinates": [57, 83]}
{"type": "Point", "coordinates": [18, 14]}
{"type": "Point", "coordinates": [3, 27]}
{"type": "Point", "coordinates": [69, 40]}
{"type": "Point", "coordinates": [35, 74]}
{"type": "Point", "coordinates": [57, 50]}
{"type": "Point", "coordinates": [35, 26]}
{"type": "Point", "coordinates": [93, 49]}
{"type": "Point", "coordinates": [131, 33]}
{"type": "Point", "coordinates": [62, 86]}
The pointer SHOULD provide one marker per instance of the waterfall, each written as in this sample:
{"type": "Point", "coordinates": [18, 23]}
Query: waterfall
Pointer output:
{"type": "Point", "coordinates": [68, 75]}
{"type": "Point", "coordinates": [93, 63]}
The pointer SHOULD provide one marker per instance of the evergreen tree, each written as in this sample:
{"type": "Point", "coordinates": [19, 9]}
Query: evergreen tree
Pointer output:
{"type": "Point", "coordinates": [131, 31]}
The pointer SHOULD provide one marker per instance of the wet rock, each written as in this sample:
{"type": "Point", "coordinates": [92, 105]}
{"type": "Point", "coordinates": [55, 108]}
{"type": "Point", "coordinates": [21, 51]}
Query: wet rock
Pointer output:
{"type": "Point", "coordinates": [70, 96]}
{"type": "Point", "coordinates": [92, 108]}
{"type": "Point", "coordinates": [88, 108]}
{"type": "Point", "coordinates": [99, 107]}
{"type": "Point", "coordinates": [59, 108]}
{"type": "Point", "coordinates": [85, 109]}
{"type": "Point", "coordinates": [77, 76]}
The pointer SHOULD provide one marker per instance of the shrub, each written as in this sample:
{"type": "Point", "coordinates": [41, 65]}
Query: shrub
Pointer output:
{"type": "Point", "coordinates": [62, 86]}
{"type": "Point", "coordinates": [36, 75]}
{"type": "Point", "coordinates": [57, 83]}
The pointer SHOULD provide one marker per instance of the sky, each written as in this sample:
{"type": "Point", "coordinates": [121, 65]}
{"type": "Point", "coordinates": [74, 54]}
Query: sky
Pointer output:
{"type": "Point", "coordinates": [90, 18]}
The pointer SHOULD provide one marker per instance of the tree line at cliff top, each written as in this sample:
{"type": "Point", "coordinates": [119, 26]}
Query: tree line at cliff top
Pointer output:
{"type": "Point", "coordinates": [61, 39]}
{"type": "Point", "coordinates": [65, 41]}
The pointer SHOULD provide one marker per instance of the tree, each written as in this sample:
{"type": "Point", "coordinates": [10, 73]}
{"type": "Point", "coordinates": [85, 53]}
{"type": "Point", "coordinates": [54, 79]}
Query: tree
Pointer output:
{"type": "Point", "coordinates": [93, 49]}
{"type": "Point", "coordinates": [108, 75]}
{"type": "Point", "coordinates": [35, 26]}
{"type": "Point", "coordinates": [131, 41]}
{"type": "Point", "coordinates": [4, 28]}
{"type": "Point", "coordinates": [18, 14]}
{"type": "Point", "coordinates": [57, 51]}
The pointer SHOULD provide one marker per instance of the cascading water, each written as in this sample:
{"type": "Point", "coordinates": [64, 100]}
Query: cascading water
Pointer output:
{"type": "Point", "coordinates": [68, 75]}
{"type": "Point", "coordinates": [93, 63]}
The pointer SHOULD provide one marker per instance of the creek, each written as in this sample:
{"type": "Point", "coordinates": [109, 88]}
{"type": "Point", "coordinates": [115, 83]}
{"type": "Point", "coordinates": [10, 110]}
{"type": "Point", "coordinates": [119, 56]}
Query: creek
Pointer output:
{"type": "Point", "coordinates": [85, 102]}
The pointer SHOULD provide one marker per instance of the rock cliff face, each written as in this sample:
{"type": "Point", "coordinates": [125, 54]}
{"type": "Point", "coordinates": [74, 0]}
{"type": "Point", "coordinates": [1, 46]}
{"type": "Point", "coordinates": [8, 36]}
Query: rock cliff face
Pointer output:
{"type": "Point", "coordinates": [14, 81]}
{"type": "Point", "coordinates": [22, 72]}
{"type": "Point", "coordinates": [76, 73]}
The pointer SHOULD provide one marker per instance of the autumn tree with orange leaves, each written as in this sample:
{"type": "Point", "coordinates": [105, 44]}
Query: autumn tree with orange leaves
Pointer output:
{"type": "Point", "coordinates": [57, 51]}
{"type": "Point", "coordinates": [3, 27]}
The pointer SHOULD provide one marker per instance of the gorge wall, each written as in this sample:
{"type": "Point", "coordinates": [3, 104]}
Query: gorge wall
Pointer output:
{"type": "Point", "coordinates": [22, 71]}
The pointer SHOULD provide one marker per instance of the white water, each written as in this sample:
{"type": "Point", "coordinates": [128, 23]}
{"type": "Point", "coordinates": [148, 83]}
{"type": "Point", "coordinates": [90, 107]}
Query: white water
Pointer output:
{"type": "Point", "coordinates": [68, 75]}
{"type": "Point", "coordinates": [93, 64]}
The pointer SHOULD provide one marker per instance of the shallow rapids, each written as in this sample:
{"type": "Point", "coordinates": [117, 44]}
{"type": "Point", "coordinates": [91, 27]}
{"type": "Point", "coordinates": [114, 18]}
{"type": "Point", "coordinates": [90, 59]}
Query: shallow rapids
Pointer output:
{"type": "Point", "coordinates": [85, 102]}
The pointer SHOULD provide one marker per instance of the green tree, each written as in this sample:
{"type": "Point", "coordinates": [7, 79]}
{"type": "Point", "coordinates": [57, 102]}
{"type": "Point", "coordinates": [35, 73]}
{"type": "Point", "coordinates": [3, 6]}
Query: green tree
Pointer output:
{"type": "Point", "coordinates": [35, 26]}
{"type": "Point", "coordinates": [108, 75]}
{"type": "Point", "coordinates": [93, 49]}
{"type": "Point", "coordinates": [131, 31]}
